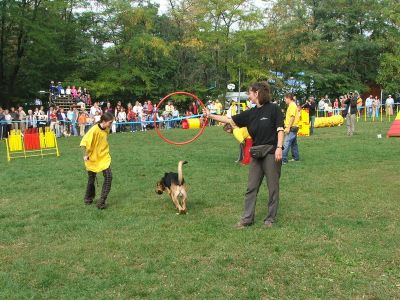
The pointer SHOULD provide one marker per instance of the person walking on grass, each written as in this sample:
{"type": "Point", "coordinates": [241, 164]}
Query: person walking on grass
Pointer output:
{"type": "Point", "coordinates": [291, 128]}
{"type": "Point", "coordinates": [97, 159]}
{"type": "Point", "coordinates": [265, 125]}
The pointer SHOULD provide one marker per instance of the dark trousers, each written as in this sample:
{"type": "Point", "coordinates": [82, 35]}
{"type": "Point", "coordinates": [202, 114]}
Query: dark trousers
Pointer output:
{"type": "Point", "coordinates": [91, 190]}
{"type": "Point", "coordinates": [259, 168]}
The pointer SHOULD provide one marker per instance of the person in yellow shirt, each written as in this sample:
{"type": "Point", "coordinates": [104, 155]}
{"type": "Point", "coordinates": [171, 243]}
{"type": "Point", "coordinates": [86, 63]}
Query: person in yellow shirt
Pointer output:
{"type": "Point", "coordinates": [97, 158]}
{"type": "Point", "coordinates": [218, 107]}
{"type": "Point", "coordinates": [291, 128]}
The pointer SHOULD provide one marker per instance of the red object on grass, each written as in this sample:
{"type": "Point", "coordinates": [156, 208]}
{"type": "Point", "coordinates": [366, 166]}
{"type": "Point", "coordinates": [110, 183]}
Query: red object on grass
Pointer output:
{"type": "Point", "coordinates": [394, 130]}
{"type": "Point", "coordinates": [31, 139]}
{"type": "Point", "coordinates": [246, 151]}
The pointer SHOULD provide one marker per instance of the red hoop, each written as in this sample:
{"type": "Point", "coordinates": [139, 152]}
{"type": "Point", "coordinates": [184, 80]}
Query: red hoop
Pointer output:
{"type": "Point", "coordinates": [157, 129]}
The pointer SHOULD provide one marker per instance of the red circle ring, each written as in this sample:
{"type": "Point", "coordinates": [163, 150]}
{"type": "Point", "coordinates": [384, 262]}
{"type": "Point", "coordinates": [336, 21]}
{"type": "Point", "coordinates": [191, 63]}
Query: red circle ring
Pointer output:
{"type": "Point", "coordinates": [157, 129]}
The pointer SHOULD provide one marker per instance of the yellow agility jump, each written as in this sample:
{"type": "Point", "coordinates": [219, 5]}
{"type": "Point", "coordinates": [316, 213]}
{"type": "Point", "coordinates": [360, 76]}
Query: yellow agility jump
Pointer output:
{"type": "Point", "coordinates": [31, 143]}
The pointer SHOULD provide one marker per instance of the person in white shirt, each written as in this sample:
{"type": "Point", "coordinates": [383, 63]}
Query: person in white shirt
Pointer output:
{"type": "Point", "coordinates": [68, 91]}
{"type": "Point", "coordinates": [95, 108]}
{"type": "Point", "coordinates": [121, 117]}
{"type": "Point", "coordinates": [368, 106]}
{"type": "Point", "coordinates": [389, 106]}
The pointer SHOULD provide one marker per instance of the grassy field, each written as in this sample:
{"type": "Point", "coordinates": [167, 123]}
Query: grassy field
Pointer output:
{"type": "Point", "coordinates": [337, 235]}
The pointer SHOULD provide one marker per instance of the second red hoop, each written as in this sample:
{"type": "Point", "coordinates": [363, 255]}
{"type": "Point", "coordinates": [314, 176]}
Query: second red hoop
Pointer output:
{"type": "Point", "coordinates": [157, 129]}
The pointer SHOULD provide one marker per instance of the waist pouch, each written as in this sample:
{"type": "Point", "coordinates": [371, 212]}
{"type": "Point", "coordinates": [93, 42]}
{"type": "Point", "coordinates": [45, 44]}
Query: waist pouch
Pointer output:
{"type": "Point", "coordinates": [294, 129]}
{"type": "Point", "coordinates": [261, 151]}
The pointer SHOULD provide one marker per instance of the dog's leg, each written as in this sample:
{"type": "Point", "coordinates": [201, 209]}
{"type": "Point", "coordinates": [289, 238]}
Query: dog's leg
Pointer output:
{"type": "Point", "coordinates": [176, 202]}
{"type": "Point", "coordinates": [183, 200]}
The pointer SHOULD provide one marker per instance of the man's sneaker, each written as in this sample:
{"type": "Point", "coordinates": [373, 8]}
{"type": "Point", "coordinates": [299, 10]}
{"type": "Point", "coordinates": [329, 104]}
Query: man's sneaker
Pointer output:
{"type": "Point", "coordinates": [293, 160]}
{"type": "Point", "coordinates": [268, 224]}
{"type": "Point", "coordinates": [88, 201]}
{"type": "Point", "coordinates": [101, 205]}
{"type": "Point", "coordinates": [240, 225]}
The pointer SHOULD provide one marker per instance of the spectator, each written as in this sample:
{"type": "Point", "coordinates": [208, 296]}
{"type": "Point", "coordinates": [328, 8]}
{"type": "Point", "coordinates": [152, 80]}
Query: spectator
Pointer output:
{"type": "Point", "coordinates": [368, 105]}
{"type": "Point", "coordinates": [351, 111]}
{"type": "Point", "coordinates": [212, 109]}
{"type": "Point", "coordinates": [14, 118]}
{"type": "Point", "coordinates": [74, 92]}
{"type": "Point", "coordinates": [75, 123]}
{"type": "Point", "coordinates": [336, 106]}
{"type": "Point", "coordinates": [389, 106]}
{"type": "Point", "coordinates": [321, 105]}
{"type": "Point", "coordinates": [117, 109]}
{"type": "Point", "coordinates": [359, 105]}
{"type": "Point", "coordinates": [21, 118]}
{"type": "Point", "coordinates": [53, 120]}
{"type": "Point", "coordinates": [68, 91]}
{"type": "Point", "coordinates": [97, 116]}
{"type": "Point", "coordinates": [175, 117]}
{"type": "Point", "coordinates": [376, 104]}
{"type": "Point", "coordinates": [60, 89]}
{"type": "Point", "coordinates": [41, 118]}
{"type": "Point", "coordinates": [52, 89]}
{"type": "Point", "coordinates": [218, 107]}
{"type": "Point", "coordinates": [8, 119]}
{"type": "Point", "coordinates": [3, 125]}
{"type": "Point", "coordinates": [121, 117]}
{"type": "Point", "coordinates": [131, 117]}
{"type": "Point", "coordinates": [108, 108]}
{"type": "Point", "coordinates": [194, 108]}
{"type": "Point", "coordinates": [82, 120]}
{"type": "Point", "coordinates": [31, 120]}
{"type": "Point", "coordinates": [62, 121]}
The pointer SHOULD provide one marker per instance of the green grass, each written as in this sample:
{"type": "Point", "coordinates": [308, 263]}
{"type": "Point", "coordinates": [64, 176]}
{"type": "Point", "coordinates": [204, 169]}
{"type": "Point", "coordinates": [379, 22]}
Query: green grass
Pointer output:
{"type": "Point", "coordinates": [337, 235]}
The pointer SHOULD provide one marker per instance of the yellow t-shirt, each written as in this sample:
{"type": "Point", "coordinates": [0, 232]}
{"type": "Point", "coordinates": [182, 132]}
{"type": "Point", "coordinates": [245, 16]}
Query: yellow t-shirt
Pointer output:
{"type": "Point", "coordinates": [95, 142]}
{"type": "Point", "coordinates": [292, 112]}
{"type": "Point", "coordinates": [241, 134]}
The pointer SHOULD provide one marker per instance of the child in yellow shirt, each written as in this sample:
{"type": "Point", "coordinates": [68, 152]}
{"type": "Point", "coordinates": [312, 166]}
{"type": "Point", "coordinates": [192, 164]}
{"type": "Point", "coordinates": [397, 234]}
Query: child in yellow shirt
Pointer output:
{"type": "Point", "coordinates": [97, 158]}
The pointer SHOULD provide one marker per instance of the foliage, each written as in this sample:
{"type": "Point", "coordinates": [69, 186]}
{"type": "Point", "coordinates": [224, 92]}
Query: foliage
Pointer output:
{"type": "Point", "coordinates": [126, 50]}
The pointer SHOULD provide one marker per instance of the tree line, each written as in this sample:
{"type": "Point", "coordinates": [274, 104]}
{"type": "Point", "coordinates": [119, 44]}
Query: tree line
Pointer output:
{"type": "Point", "coordinates": [128, 50]}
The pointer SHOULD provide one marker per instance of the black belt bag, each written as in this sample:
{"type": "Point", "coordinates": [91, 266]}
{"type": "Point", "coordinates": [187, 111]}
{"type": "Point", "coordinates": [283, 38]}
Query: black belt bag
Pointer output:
{"type": "Point", "coordinates": [294, 129]}
{"type": "Point", "coordinates": [261, 151]}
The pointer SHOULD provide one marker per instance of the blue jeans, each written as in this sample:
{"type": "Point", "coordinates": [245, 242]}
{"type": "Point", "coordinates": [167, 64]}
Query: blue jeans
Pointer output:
{"type": "Point", "coordinates": [290, 142]}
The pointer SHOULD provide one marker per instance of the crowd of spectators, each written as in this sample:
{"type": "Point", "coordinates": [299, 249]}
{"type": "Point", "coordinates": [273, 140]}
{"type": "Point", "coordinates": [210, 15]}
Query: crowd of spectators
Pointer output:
{"type": "Point", "coordinates": [140, 116]}
{"type": "Point", "coordinates": [372, 105]}
{"type": "Point", "coordinates": [79, 118]}
{"type": "Point", "coordinates": [79, 96]}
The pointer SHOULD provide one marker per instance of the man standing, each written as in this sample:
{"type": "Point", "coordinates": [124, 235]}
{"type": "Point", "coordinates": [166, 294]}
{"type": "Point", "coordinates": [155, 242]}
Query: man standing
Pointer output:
{"type": "Point", "coordinates": [291, 128]}
{"type": "Point", "coordinates": [22, 118]}
{"type": "Point", "coordinates": [368, 106]}
{"type": "Point", "coordinates": [351, 110]}
{"type": "Point", "coordinates": [389, 106]}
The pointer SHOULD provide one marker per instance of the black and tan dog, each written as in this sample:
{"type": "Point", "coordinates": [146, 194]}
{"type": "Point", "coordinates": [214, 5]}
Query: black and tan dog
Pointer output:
{"type": "Point", "coordinates": [174, 184]}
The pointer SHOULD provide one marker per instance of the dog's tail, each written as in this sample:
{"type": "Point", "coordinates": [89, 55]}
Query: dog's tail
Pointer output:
{"type": "Point", "coordinates": [180, 174]}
